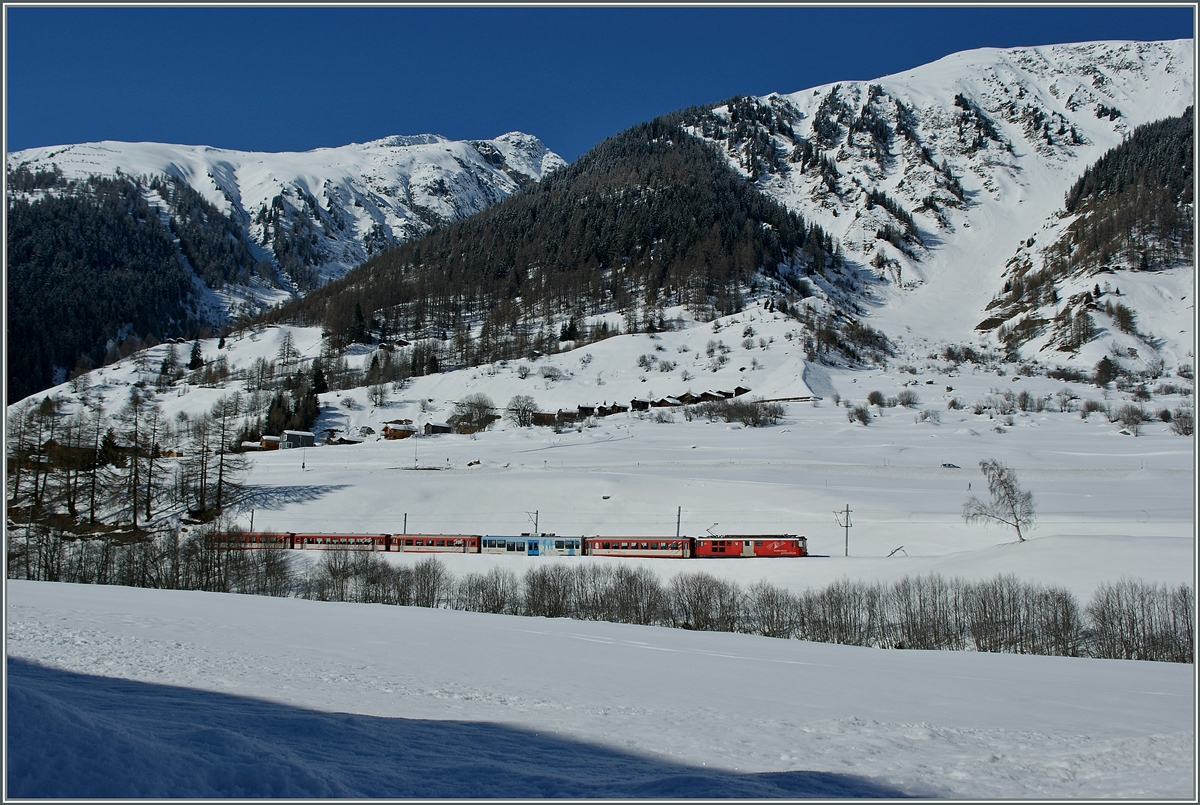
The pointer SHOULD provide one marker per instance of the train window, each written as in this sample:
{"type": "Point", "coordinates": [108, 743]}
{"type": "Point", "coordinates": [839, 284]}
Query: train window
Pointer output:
{"type": "Point", "coordinates": [441, 543]}
{"type": "Point", "coordinates": [421, 542]}
{"type": "Point", "coordinates": [654, 546]}
{"type": "Point", "coordinates": [520, 546]}
{"type": "Point", "coordinates": [605, 546]}
{"type": "Point", "coordinates": [512, 546]}
{"type": "Point", "coordinates": [645, 546]}
{"type": "Point", "coordinates": [408, 542]}
{"type": "Point", "coordinates": [624, 544]}
{"type": "Point", "coordinates": [558, 543]}
{"type": "Point", "coordinates": [756, 542]}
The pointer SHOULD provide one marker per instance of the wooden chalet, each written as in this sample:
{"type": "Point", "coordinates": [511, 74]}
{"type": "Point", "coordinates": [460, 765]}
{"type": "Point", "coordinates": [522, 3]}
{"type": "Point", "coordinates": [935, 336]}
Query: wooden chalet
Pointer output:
{"type": "Point", "coordinates": [399, 430]}
{"type": "Point", "coordinates": [609, 410]}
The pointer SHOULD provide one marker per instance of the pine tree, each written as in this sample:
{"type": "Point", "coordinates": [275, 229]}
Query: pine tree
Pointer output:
{"type": "Point", "coordinates": [196, 360]}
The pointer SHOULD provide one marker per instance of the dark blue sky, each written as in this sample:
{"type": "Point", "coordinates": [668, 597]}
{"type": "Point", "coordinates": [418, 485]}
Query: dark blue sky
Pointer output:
{"type": "Point", "coordinates": [276, 79]}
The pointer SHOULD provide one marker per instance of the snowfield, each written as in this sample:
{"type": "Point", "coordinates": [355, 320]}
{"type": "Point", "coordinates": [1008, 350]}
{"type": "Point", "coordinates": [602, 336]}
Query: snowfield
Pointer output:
{"type": "Point", "coordinates": [127, 692]}
{"type": "Point", "coordinates": [118, 692]}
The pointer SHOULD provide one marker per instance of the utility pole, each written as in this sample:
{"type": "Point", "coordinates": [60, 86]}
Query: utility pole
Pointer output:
{"type": "Point", "coordinates": [845, 524]}
{"type": "Point", "coordinates": [406, 522]}
{"type": "Point", "coordinates": [535, 522]}
{"type": "Point", "coordinates": [678, 517]}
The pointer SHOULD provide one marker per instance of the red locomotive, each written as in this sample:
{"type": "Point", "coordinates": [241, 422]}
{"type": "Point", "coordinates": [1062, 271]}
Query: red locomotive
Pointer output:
{"type": "Point", "coordinates": [751, 545]}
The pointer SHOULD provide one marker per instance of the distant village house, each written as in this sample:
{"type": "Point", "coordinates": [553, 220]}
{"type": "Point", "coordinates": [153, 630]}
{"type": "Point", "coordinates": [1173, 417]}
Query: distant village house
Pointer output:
{"type": "Point", "coordinates": [297, 438]}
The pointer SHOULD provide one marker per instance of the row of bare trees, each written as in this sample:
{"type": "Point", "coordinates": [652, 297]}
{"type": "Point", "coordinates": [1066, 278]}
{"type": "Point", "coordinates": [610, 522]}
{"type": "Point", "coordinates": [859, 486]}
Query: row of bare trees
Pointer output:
{"type": "Point", "coordinates": [169, 559]}
{"type": "Point", "coordinates": [1130, 619]}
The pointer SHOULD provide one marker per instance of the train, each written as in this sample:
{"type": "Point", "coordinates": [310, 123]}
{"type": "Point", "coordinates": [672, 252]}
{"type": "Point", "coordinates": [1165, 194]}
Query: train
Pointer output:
{"type": "Point", "coordinates": [722, 546]}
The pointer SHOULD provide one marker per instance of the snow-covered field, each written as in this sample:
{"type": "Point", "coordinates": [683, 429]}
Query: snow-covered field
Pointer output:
{"type": "Point", "coordinates": [117, 692]}
{"type": "Point", "coordinates": [122, 692]}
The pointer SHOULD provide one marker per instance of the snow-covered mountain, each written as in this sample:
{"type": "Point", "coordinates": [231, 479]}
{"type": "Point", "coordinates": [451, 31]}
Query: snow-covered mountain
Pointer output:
{"type": "Point", "coordinates": [314, 215]}
{"type": "Point", "coordinates": [931, 178]}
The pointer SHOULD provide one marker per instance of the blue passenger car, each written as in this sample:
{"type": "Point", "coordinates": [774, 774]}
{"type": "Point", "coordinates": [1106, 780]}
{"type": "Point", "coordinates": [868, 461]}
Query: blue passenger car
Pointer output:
{"type": "Point", "coordinates": [503, 545]}
{"type": "Point", "coordinates": [531, 545]}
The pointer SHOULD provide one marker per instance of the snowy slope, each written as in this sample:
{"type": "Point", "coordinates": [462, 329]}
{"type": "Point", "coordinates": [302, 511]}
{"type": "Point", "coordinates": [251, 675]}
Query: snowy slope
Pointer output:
{"type": "Point", "coordinates": [1016, 127]}
{"type": "Point", "coordinates": [360, 197]}
{"type": "Point", "coordinates": [119, 692]}
{"type": "Point", "coordinates": [1108, 504]}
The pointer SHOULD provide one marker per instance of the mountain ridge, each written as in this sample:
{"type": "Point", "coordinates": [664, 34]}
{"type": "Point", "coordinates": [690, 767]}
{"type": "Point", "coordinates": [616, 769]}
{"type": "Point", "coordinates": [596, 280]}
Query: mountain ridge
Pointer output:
{"type": "Point", "coordinates": [357, 198]}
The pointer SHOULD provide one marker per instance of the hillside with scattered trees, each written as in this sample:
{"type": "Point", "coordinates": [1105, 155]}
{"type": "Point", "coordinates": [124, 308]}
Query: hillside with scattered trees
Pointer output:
{"type": "Point", "coordinates": [650, 218]}
{"type": "Point", "coordinates": [1134, 209]}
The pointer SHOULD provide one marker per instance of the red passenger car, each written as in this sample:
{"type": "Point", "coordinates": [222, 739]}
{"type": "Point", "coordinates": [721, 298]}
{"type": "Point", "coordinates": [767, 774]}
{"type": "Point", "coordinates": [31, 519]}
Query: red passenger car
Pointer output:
{"type": "Point", "coordinates": [677, 548]}
{"type": "Point", "coordinates": [436, 543]}
{"type": "Point", "coordinates": [253, 540]}
{"type": "Point", "coordinates": [339, 542]}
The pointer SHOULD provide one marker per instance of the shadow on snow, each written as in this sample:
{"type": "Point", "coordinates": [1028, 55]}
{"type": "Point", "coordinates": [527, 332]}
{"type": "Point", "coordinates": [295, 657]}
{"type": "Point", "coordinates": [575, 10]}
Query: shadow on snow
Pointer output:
{"type": "Point", "coordinates": [72, 736]}
{"type": "Point", "coordinates": [276, 497]}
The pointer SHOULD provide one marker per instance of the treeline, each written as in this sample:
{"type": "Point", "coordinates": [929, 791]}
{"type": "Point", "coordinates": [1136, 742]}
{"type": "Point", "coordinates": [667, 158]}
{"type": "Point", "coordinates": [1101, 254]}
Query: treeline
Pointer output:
{"type": "Point", "coordinates": [1135, 204]}
{"type": "Point", "coordinates": [213, 243]}
{"type": "Point", "coordinates": [1129, 619]}
{"type": "Point", "coordinates": [1157, 154]}
{"type": "Point", "coordinates": [649, 218]}
{"type": "Point", "coordinates": [84, 268]}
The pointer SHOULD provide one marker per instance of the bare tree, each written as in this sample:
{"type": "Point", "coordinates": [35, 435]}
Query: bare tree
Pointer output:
{"type": "Point", "coordinates": [229, 464]}
{"type": "Point", "coordinates": [130, 416]}
{"type": "Point", "coordinates": [472, 413]}
{"type": "Point", "coordinates": [197, 463]}
{"type": "Point", "coordinates": [377, 393]}
{"type": "Point", "coordinates": [288, 353]}
{"type": "Point", "coordinates": [1009, 505]}
{"type": "Point", "coordinates": [156, 430]}
{"type": "Point", "coordinates": [520, 410]}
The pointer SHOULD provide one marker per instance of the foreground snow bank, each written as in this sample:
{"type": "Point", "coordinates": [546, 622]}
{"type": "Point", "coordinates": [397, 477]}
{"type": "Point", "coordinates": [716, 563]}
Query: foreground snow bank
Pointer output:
{"type": "Point", "coordinates": [129, 692]}
{"type": "Point", "coordinates": [119, 738]}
